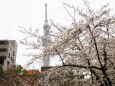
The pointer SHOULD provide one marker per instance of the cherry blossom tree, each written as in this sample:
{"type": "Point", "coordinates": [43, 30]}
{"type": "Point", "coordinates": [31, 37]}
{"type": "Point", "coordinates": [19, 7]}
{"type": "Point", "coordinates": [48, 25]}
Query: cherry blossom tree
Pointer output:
{"type": "Point", "coordinates": [87, 44]}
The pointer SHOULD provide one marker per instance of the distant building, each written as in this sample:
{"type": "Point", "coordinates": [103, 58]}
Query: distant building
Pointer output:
{"type": "Point", "coordinates": [8, 51]}
{"type": "Point", "coordinates": [32, 72]}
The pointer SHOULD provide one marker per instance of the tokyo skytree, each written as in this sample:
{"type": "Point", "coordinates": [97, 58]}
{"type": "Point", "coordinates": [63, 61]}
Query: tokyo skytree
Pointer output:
{"type": "Point", "coordinates": [46, 39]}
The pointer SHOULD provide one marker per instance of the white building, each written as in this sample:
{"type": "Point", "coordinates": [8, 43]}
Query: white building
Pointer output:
{"type": "Point", "coordinates": [8, 51]}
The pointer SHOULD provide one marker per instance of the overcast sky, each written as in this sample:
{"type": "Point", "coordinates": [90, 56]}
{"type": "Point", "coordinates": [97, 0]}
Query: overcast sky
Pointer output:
{"type": "Point", "coordinates": [26, 13]}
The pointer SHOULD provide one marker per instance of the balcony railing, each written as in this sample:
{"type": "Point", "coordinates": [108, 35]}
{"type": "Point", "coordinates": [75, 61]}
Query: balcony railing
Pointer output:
{"type": "Point", "coordinates": [3, 47]}
{"type": "Point", "coordinates": [3, 54]}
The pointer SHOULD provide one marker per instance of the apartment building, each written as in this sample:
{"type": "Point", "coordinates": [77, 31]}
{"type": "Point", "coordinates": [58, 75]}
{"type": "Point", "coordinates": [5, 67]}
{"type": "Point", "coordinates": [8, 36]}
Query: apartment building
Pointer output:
{"type": "Point", "coordinates": [8, 51]}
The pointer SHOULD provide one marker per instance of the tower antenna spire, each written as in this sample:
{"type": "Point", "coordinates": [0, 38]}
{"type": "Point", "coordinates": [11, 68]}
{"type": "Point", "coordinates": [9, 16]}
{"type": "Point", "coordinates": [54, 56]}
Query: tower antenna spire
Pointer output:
{"type": "Point", "coordinates": [46, 12]}
{"type": "Point", "coordinates": [46, 26]}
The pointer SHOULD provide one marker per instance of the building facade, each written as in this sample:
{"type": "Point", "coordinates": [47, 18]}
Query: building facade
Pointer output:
{"type": "Point", "coordinates": [8, 51]}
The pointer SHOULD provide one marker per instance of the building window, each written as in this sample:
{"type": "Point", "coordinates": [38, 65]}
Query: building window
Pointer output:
{"type": "Point", "coordinates": [10, 48]}
{"type": "Point", "coordinates": [8, 65]}
{"type": "Point", "coordinates": [13, 53]}
{"type": "Point", "coordinates": [12, 59]}
{"type": "Point", "coordinates": [9, 55]}
{"type": "Point", "coordinates": [1, 61]}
